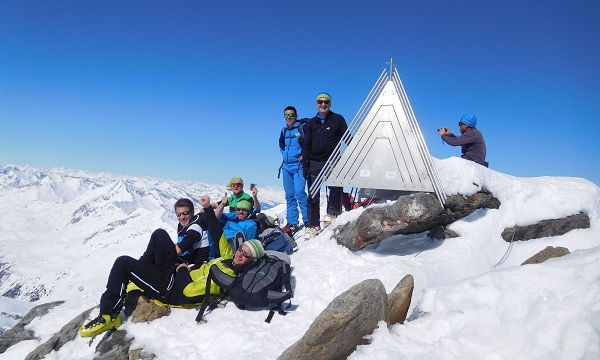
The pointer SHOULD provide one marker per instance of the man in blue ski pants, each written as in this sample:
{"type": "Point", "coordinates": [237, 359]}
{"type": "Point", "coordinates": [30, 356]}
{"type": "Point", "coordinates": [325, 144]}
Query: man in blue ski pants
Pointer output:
{"type": "Point", "coordinates": [294, 184]}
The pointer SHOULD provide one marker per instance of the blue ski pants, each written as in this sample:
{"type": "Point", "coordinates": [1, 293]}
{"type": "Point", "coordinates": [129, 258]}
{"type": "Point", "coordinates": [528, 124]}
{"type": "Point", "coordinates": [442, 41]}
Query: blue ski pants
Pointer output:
{"type": "Point", "coordinates": [294, 185]}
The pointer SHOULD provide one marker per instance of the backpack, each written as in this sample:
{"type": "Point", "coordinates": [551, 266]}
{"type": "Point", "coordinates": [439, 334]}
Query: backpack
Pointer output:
{"type": "Point", "coordinates": [260, 285]}
{"type": "Point", "coordinates": [276, 239]}
{"type": "Point", "coordinates": [264, 222]}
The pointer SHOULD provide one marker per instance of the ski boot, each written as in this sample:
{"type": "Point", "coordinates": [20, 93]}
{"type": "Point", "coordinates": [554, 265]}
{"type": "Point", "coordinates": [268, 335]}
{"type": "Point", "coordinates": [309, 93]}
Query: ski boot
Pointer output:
{"type": "Point", "coordinates": [102, 323]}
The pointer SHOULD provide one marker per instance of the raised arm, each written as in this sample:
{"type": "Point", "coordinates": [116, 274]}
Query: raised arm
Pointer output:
{"type": "Point", "coordinates": [467, 138]}
{"type": "Point", "coordinates": [220, 207]}
{"type": "Point", "coordinates": [255, 198]}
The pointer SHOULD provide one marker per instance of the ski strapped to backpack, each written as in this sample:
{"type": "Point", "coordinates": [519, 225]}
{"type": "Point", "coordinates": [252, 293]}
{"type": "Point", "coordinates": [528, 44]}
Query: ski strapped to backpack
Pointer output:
{"type": "Point", "coordinates": [261, 285]}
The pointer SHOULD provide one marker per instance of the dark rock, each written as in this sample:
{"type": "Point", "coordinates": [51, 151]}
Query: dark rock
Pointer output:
{"type": "Point", "coordinates": [398, 301]}
{"type": "Point", "coordinates": [115, 347]}
{"type": "Point", "coordinates": [18, 332]}
{"type": "Point", "coordinates": [548, 253]}
{"type": "Point", "coordinates": [546, 228]}
{"type": "Point", "coordinates": [337, 331]}
{"type": "Point", "coordinates": [441, 233]}
{"type": "Point", "coordinates": [146, 311]}
{"type": "Point", "coordinates": [66, 334]}
{"type": "Point", "coordinates": [408, 215]}
{"type": "Point", "coordinates": [140, 354]}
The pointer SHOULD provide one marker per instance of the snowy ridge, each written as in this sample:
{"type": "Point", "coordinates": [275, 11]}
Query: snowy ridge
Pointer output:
{"type": "Point", "coordinates": [464, 306]}
{"type": "Point", "coordinates": [63, 217]}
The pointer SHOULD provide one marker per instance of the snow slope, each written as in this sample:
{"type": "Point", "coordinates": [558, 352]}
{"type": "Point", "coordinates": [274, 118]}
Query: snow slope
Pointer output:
{"type": "Point", "coordinates": [465, 304]}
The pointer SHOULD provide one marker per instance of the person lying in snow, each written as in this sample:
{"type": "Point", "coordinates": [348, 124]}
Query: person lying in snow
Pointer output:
{"type": "Point", "coordinates": [161, 275]}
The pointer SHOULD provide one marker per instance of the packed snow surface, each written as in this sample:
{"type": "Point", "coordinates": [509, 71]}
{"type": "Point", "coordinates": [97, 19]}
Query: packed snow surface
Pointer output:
{"type": "Point", "coordinates": [61, 230]}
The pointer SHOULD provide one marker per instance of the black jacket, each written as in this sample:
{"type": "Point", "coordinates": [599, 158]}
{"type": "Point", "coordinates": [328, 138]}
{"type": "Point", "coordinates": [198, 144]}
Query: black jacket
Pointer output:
{"type": "Point", "coordinates": [321, 139]}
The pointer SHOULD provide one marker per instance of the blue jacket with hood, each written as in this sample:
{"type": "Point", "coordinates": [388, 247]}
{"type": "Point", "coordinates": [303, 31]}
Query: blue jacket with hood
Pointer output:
{"type": "Point", "coordinates": [290, 142]}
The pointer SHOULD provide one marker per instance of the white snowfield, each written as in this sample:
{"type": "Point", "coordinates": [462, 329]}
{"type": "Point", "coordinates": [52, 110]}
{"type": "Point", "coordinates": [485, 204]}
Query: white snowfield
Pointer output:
{"type": "Point", "coordinates": [465, 305]}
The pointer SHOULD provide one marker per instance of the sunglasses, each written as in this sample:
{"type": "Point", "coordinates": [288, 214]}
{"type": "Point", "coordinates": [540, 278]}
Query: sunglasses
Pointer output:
{"type": "Point", "coordinates": [323, 102]}
{"type": "Point", "coordinates": [245, 210]}
{"type": "Point", "coordinates": [183, 213]}
{"type": "Point", "coordinates": [244, 254]}
{"type": "Point", "coordinates": [287, 116]}
{"type": "Point", "coordinates": [237, 185]}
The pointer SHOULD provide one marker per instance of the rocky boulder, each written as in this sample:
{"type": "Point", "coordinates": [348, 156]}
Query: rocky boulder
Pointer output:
{"type": "Point", "coordinates": [18, 332]}
{"type": "Point", "coordinates": [441, 233]}
{"type": "Point", "coordinates": [544, 228]}
{"type": "Point", "coordinates": [408, 215]}
{"type": "Point", "coordinates": [548, 253]}
{"type": "Point", "coordinates": [146, 311]}
{"type": "Point", "coordinates": [337, 331]}
{"type": "Point", "coordinates": [115, 347]}
{"type": "Point", "coordinates": [341, 327]}
{"type": "Point", "coordinates": [398, 301]}
{"type": "Point", "coordinates": [66, 334]}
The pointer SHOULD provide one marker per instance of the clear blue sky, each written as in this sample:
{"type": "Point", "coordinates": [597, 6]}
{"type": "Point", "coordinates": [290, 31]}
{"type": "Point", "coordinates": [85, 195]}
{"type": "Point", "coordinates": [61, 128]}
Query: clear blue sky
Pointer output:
{"type": "Point", "coordinates": [195, 90]}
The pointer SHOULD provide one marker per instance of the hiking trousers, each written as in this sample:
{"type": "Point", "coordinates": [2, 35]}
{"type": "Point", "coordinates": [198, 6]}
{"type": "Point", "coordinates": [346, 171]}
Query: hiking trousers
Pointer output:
{"type": "Point", "coordinates": [334, 202]}
{"type": "Point", "coordinates": [294, 185]}
{"type": "Point", "coordinates": [153, 273]}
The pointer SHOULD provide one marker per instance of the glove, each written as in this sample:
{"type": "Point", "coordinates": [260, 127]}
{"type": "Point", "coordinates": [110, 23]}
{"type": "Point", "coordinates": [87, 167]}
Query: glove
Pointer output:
{"type": "Point", "coordinates": [305, 171]}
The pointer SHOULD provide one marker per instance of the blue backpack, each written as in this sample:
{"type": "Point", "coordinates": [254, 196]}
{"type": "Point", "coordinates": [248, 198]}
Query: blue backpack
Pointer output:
{"type": "Point", "coordinates": [277, 240]}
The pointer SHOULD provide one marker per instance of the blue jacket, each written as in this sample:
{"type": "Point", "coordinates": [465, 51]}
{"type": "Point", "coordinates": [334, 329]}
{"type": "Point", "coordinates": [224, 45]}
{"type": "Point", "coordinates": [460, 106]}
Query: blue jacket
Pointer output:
{"type": "Point", "coordinates": [290, 143]}
{"type": "Point", "coordinates": [233, 225]}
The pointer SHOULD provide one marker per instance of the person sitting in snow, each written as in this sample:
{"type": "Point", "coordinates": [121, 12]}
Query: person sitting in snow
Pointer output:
{"type": "Point", "coordinates": [236, 185]}
{"type": "Point", "coordinates": [161, 274]}
{"type": "Point", "coordinates": [192, 237]}
{"type": "Point", "coordinates": [238, 221]}
{"type": "Point", "coordinates": [471, 140]}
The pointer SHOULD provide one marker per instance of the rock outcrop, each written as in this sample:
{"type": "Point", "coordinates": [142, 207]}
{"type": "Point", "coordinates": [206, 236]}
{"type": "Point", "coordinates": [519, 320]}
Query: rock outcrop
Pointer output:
{"type": "Point", "coordinates": [114, 347]}
{"type": "Point", "coordinates": [441, 233]}
{"type": "Point", "coordinates": [544, 228]}
{"type": "Point", "coordinates": [398, 301]}
{"type": "Point", "coordinates": [18, 332]}
{"type": "Point", "coordinates": [147, 311]}
{"type": "Point", "coordinates": [66, 334]}
{"type": "Point", "coordinates": [408, 215]}
{"type": "Point", "coordinates": [548, 253]}
{"type": "Point", "coordinates": [355, 313]}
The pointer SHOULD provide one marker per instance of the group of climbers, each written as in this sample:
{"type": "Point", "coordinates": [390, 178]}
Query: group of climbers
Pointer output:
{"type": "Point", "coordinates": [162, 274]}
{"type": "Point", "coordinates": [305, 146]}
{"type": "Point", "coordinates": [177, 273]}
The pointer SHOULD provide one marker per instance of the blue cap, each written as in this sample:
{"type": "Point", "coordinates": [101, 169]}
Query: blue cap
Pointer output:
{"type": "Point", "coordinates": [469, 119]}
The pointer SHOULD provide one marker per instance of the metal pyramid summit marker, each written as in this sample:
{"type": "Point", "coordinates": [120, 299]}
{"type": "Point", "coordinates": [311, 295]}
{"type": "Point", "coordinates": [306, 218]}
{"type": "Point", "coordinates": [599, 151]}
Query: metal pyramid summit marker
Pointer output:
{"type": "Point", "coordinates": [383, 147]}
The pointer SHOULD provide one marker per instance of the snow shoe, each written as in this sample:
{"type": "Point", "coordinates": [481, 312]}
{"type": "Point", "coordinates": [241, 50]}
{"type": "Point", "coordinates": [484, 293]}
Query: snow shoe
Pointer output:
{"type": "Point", "coordinates": [102, 323]}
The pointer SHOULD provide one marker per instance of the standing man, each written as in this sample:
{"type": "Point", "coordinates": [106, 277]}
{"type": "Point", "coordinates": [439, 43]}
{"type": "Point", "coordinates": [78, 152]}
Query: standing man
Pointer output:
{"type": "Point", "coordinates": [471, 140]}
{"type": "Point", "coordinates": [290, 144]}
{"type": "Point", "coordinates": [322, 134]}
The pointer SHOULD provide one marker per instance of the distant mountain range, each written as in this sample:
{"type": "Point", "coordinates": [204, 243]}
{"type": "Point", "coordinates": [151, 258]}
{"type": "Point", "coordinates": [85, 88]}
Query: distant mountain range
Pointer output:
{"type": "Point", "coordinates": [66, 216]}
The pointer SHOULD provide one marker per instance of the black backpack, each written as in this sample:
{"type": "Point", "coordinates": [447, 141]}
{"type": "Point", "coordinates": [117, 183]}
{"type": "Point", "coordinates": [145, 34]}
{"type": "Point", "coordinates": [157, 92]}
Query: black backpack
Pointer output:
{"type": "Point", "coordinates": [266, 283]}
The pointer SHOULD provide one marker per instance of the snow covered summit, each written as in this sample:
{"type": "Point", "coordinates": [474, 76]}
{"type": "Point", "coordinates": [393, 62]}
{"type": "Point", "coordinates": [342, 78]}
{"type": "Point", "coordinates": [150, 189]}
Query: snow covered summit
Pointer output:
{"type": "Point", "coordinates": [465, 305]}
